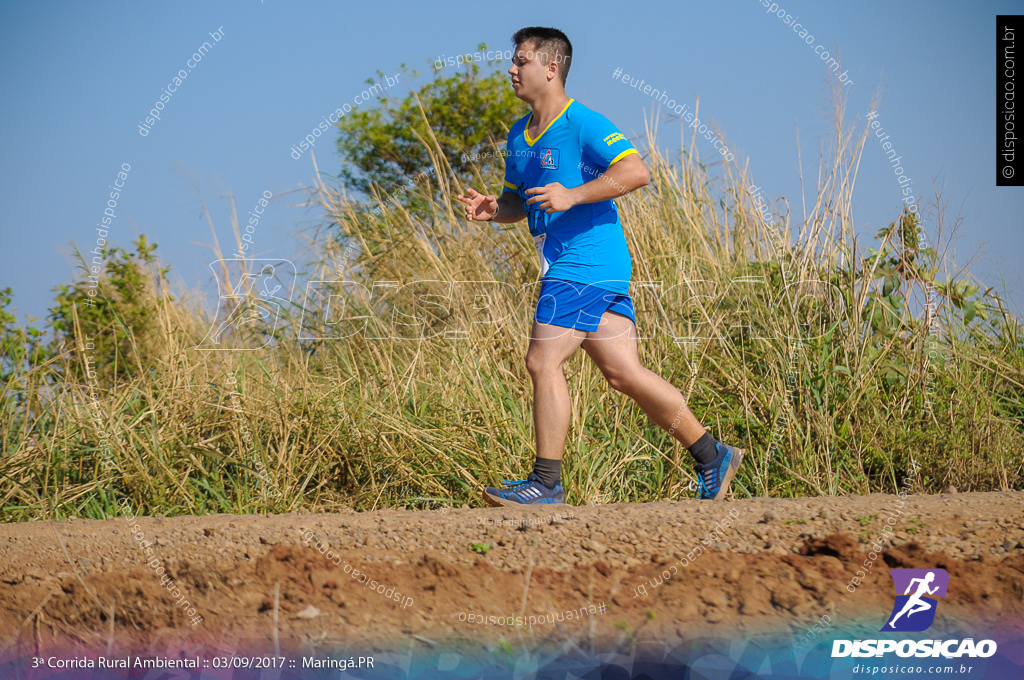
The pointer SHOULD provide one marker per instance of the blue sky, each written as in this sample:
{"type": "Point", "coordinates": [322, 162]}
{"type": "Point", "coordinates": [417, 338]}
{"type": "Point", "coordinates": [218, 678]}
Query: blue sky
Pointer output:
{"type": "Point", "coordinates": [78, 78]}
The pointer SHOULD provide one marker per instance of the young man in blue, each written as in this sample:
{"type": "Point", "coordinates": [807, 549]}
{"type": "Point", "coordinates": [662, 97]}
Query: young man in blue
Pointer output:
{"type": "Point", "coordinates": [565, 165]}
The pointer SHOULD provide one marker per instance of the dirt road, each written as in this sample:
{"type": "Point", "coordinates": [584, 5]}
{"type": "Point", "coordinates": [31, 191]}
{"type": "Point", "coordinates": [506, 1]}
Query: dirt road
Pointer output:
{"type": "Point", "coordinates": [500, 581]}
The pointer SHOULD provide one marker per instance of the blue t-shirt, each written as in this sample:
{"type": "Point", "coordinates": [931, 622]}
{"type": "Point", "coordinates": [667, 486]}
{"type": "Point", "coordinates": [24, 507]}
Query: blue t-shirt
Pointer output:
{"type": "Point", "coordinates": [584, 244]}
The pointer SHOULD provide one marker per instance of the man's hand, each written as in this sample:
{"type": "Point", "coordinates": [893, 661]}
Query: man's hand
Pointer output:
{"type": "Point", "coordinates": [552, 197]}
{"type": "Point", "coordinates": [479, 207]}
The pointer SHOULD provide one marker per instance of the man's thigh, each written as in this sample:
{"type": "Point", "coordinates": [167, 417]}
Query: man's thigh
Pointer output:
{"type": "Point", "coordinates": [554, 343]}
{"type": "Point", "coordinates": [614, 328]}
{"type": "Point", "coordinates": [613, 344]}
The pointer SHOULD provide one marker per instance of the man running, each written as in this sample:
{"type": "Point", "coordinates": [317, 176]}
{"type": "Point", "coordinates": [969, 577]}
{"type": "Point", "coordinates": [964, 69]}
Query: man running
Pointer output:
{"type": "Point", "coordinates": [564, 165]}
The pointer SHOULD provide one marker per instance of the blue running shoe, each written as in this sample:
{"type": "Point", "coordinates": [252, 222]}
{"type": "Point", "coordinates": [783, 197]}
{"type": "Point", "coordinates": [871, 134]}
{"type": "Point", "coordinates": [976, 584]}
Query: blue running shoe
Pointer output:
{"type": "Point", "coordinates": [713, 479]}
{"type": "Point", "coordinates": [529, 491]}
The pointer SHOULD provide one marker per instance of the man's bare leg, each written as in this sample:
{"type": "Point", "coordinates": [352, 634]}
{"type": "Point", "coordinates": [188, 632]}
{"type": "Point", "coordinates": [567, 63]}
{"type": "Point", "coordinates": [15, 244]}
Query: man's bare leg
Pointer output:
{"type": "Point", "coordinates": [613, 348]}
{"type": "Point", "coordinates": [550, 347]}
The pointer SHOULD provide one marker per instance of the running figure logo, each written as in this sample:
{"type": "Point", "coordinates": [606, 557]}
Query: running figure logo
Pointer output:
{"type": "Point", "coordinates": [914, 610]}
{"type": "Point", "coordinates": [255, 302]}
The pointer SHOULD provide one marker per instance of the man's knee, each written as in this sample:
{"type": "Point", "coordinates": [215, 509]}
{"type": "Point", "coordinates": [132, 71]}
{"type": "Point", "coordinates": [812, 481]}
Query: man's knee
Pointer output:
{"type": "Point", "coordinates": [533, 363]}
{"type": "Point", "coordinates": [538, 364]}
{"type": "Point", "coordinates": [620, 382]}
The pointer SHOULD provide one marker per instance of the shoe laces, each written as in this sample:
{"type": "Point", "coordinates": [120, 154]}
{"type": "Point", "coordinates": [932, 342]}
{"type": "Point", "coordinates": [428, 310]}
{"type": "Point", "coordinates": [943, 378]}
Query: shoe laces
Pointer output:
{"type": "Point", "coordinates": [520, 482]}
{"type": "Point", "coordinates": [704, 477]}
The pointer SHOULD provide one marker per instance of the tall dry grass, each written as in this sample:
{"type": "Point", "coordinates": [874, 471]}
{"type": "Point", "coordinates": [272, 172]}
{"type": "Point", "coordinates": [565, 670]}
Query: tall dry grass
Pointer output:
{"type": "Point", "coordinates": [776, 330]}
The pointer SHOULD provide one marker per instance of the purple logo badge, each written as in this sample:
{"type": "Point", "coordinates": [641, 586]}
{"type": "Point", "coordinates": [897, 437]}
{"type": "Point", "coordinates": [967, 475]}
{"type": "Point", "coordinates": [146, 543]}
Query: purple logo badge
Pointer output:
{"type": "Point", "coordinates": [916, 590]}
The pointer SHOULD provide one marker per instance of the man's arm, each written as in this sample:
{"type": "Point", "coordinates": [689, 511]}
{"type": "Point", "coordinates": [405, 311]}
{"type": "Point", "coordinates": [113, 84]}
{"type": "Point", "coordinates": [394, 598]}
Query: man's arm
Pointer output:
{"type": "Point", "coordinates": [510, 208]}
{"type": "Point", "coordinates": [628, 174]}
{"type": "Point", "coordinates": [506, 209]}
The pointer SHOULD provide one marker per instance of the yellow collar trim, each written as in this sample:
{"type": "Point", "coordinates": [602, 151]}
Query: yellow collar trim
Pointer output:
{"type": "Point", "coordinates": [526, 130]}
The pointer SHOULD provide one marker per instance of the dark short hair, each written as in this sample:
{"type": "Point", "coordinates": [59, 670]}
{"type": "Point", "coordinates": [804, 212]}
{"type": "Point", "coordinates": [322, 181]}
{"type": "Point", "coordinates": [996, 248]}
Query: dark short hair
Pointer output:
{"type": "Point", "coordinates": [548, 41]}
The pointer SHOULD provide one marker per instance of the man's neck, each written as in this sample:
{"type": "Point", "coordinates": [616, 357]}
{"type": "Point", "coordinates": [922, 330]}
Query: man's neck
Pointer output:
{"type": "Point", "coordinates": [545, 110]}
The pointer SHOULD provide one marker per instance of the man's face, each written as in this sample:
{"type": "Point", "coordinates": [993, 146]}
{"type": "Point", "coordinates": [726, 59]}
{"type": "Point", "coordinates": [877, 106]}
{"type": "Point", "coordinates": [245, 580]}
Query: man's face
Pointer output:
{"type": "Point", "coordinates": [529, 71]}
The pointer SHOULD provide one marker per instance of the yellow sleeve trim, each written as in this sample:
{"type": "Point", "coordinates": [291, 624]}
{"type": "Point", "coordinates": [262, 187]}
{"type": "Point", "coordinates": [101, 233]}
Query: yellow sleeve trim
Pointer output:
{"type": "Point", "coordinates": [621, 156]}
{"type": "Point", "coordinates": [510, 186]}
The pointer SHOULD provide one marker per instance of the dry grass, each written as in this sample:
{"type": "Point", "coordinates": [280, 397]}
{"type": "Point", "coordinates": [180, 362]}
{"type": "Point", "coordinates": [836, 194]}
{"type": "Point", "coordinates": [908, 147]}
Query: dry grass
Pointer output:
{"type": "Point", "coordinates": [442, 405]}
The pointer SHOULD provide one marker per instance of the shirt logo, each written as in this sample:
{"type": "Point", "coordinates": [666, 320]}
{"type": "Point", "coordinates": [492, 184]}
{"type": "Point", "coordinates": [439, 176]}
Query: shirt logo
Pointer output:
{"type": "Point", "coordinates": [549, 159]}
{"type": "Point", "coordinates": [611, 139]}
{"type": "Point", "coordinates": [914, 611]}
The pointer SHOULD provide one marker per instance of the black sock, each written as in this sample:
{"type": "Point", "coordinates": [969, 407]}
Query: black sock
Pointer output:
{"type": "Point", "coordinates": [703, 450]}
{"type": "Point", "coordinates": [549, 471]}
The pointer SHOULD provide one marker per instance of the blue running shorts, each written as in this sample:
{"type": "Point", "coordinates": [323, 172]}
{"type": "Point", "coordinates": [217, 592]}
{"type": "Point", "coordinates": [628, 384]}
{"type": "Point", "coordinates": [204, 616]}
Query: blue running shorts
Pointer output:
{"type": "Point", "coordinates": [577, 305]}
